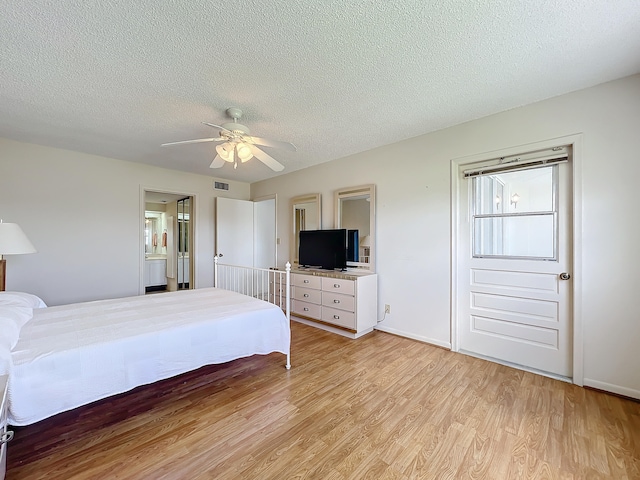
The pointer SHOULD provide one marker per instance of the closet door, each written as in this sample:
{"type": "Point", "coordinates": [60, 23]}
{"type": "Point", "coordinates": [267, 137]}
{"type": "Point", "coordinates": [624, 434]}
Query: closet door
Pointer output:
{"type": "Point", "coordinates": [234, 231]}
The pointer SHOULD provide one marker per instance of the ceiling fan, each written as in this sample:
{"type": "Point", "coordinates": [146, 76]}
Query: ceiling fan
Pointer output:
{"type": "Point", "coordinates": [239, 145]}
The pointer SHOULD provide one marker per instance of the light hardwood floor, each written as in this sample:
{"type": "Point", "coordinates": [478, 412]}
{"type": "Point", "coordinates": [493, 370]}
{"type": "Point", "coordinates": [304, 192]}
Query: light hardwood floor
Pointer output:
{"type": "Point", "coordinates": [380, 407]}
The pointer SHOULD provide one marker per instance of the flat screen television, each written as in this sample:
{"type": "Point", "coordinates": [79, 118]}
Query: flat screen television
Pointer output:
{"type": "Point", "coordinates": [326, 249]}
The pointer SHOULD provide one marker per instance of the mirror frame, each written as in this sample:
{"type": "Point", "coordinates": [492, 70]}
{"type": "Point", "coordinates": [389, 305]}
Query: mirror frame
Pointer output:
{"type": "Point", "coordinates": [359, 191]}
{"type": "Point", "coordinates": [293, 241]}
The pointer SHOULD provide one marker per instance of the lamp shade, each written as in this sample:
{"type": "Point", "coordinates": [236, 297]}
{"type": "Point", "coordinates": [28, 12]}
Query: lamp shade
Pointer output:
{"type": "Point", "coordinates": [225, 151]}
{"type": "Point", "coordinates": [13, 241]}
{"type": "Point", "coordinates": [244, 152]}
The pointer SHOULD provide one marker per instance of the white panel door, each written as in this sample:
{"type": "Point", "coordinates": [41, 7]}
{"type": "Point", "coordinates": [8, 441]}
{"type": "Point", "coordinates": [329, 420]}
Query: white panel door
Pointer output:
{"type": "Point", "coordinates": [514, 303]}
{"type": "Point", "coordinates": [265, 233]}
{"type": "Point", "coordinates": [234, 231]}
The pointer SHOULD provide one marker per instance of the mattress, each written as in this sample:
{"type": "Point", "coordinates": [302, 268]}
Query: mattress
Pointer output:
{"type": "Point", "coordinates": [71, 355]}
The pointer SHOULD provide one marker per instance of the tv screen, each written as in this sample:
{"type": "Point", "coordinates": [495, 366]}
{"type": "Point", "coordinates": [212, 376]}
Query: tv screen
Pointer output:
{"type": "Point", "coordinates": [325, 249]}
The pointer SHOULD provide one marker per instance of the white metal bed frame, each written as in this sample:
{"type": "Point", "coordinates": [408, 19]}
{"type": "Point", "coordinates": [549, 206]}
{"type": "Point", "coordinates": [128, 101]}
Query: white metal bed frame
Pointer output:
{"type": "Point", "coordinates": [261, 283]}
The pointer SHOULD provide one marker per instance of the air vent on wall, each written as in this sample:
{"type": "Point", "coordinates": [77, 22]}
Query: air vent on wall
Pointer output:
{"type": "Point", "coordinates": [221, 186]}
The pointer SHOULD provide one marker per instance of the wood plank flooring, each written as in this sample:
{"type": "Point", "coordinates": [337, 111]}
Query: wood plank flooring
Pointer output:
{"type": "Point", "coordinates": [380, 407]}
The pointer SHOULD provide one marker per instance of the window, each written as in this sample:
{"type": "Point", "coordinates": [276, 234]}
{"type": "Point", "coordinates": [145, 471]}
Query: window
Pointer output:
{"type": "Point", "coordinates": [515, 214]}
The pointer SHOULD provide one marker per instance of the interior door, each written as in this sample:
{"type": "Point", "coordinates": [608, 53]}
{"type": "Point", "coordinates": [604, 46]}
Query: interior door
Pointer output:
{"type": "Point", "coordinates": [514, 294]}
{"type": "Point", "coordinates": [264, 233]}
{"type": "Point", "coordinates": [234, 231]}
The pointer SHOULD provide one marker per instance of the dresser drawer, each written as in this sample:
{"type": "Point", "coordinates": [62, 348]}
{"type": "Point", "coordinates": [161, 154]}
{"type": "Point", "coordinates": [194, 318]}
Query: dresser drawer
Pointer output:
{"type": "Point", "coordinates": [339, 317]}
{"type": "Point", "coordinates": [339, 301]}
{"type": "Point", "coordinates": [307, 281]}
{"type": "Point", "coordinates": [308, 295]}
{"type": "Point", "coordinates": [305, 308]}
{"type": "Point", "coordinates": [338, 285]}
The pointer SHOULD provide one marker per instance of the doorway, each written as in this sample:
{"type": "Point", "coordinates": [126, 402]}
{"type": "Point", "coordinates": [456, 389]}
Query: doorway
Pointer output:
{"type": "Point", "coordinates": [513, 251]}
{"type": "Point", "coordinates": [246, 231]}
{"type": "Point", "coordinates": [168, 241]}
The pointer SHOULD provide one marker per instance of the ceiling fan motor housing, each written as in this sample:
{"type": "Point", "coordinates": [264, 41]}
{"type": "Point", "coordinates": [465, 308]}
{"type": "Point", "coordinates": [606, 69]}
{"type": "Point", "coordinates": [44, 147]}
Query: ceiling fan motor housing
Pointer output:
{"type": "Point", "coordinates": [236, 128]}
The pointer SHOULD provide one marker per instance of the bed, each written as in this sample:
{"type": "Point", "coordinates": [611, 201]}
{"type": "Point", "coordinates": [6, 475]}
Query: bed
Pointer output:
{"type": "Point", "coordinates": [71, 355]}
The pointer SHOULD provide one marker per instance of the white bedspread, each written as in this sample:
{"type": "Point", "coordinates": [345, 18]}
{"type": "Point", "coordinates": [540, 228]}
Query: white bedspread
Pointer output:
{"type": "Point", "coordinates": [71, 355]}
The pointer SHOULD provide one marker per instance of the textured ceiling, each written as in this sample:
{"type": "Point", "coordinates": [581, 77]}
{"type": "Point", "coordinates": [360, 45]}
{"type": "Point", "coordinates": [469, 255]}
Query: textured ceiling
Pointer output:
{"type": "Point", "coordinates": [119, 77]}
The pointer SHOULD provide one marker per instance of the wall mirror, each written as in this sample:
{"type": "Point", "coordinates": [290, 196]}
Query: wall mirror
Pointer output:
{"type": "Point", "coordinates": [356, 211]}
{"type": "Point", "coordinates": [306, 216]}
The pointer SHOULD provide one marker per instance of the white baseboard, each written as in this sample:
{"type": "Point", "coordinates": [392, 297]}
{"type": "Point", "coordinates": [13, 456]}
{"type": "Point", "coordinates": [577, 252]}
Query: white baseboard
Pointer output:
{"type": "Point", "coordinates": [419, 338]}
{"type": "Point", "coordinates": [608, 387]}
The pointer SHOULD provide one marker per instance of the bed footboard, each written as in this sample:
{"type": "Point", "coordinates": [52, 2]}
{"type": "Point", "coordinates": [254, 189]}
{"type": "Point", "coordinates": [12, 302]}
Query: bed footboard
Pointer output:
{"type": "Point", "coordinates": [270, 285]}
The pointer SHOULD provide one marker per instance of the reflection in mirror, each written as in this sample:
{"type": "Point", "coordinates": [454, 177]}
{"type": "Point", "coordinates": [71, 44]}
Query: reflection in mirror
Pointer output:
{"type": "Point", "coordinates": [355, 211]}
{"type": "Point", "coordinates": [306, 216]}
{"type": "Point", "coordinates": [155, 228]}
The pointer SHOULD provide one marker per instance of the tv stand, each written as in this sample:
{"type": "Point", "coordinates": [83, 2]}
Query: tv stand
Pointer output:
{"type": "Point", "coordinates": [342, 302]}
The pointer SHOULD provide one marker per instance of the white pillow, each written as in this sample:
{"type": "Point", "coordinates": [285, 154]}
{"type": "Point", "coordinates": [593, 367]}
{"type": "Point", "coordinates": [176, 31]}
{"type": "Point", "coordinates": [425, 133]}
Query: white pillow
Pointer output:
{"type": "Point", "coordinates": [21, 299]}
{"type": "Point", "coordinates": [9, 333]}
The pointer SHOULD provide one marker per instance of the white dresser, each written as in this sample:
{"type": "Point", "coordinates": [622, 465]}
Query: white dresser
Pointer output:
{"type": "Point", "coordinates": [342, 302]}
{"type": "Point", "coordinates": [5, 435]}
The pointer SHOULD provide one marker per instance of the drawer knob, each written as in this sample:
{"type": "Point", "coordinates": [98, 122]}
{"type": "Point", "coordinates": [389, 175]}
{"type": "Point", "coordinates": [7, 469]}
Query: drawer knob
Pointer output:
{"type": "Point", "coordinates": [337, 317]}
{"type": "Point", "coordinates": [305, 281]}
{"type": "Point", "coordinates": [306, 309]}
{"type": "Point", "coordinates": [336, 301]}
{"type": "Point", "coordinates": [336, 285]}
{"type": "Point", "coordinates": [306, 295]}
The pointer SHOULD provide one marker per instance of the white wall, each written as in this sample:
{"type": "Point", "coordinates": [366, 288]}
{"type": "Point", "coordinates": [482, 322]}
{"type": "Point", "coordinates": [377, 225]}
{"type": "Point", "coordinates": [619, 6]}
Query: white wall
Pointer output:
{"type": "Point", "coordinates": [82, 213]}
{"type": "Point", "coordinates": [413, 228]}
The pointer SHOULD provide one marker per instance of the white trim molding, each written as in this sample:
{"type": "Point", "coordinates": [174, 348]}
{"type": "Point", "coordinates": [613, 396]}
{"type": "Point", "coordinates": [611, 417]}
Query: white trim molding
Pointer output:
{"type": "Point", "coordinates": [419, 338]}
{"type": "Point", "coordinates": [608, 387]}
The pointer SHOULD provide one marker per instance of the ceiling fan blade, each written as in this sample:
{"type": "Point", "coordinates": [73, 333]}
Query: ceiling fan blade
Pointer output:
{"type": "Point", "coordinates": [199, 140]}
{"type": "Point", "coordinates": [271, 143]}
{"type": "Point", "coordinates": [217, 162]}
{"type": "Point", "coordinates": [267, 159]}
{"type": "Point", "coordinates": [215, 126]}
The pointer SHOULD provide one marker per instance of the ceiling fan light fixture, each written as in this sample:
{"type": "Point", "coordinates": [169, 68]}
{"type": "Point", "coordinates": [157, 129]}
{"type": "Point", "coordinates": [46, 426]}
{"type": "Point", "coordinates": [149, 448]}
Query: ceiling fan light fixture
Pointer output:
{"type": "Point", "coordinates": [225, 151]}
{"type": "Point", "coordinates": [244, 152]}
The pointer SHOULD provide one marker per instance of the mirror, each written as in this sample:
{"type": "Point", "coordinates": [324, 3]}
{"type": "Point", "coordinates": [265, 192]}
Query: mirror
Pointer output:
{"type": "Point", "coordinates": [306, 216]}
{"type": "Point", "coordinates": [155, 232]}
{"type": "Point", "coordinates": [356, 211]}
{"type": "Point", "coordinates": [184, 242]}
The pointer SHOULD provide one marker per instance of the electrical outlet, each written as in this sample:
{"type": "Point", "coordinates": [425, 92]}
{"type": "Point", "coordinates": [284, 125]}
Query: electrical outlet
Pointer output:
{"type": "Point", "coordinates": [387, 308]}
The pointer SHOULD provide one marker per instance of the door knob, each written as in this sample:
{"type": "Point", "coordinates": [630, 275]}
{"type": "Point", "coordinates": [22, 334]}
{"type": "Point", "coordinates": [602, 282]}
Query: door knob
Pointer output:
{"type": "Point", "coordinates": [565, 276]}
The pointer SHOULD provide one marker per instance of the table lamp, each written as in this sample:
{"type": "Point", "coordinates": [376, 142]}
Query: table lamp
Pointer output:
{"type": "Point", "coordinates": [13, 241]}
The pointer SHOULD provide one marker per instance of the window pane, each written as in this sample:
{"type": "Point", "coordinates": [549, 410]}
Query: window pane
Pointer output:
{"type": "Point", "coordinates": [526, 236]}
{"type": "Point", "coordinates": [488, 195]}
{"type": "Point", "coordinates": [515, 192]}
